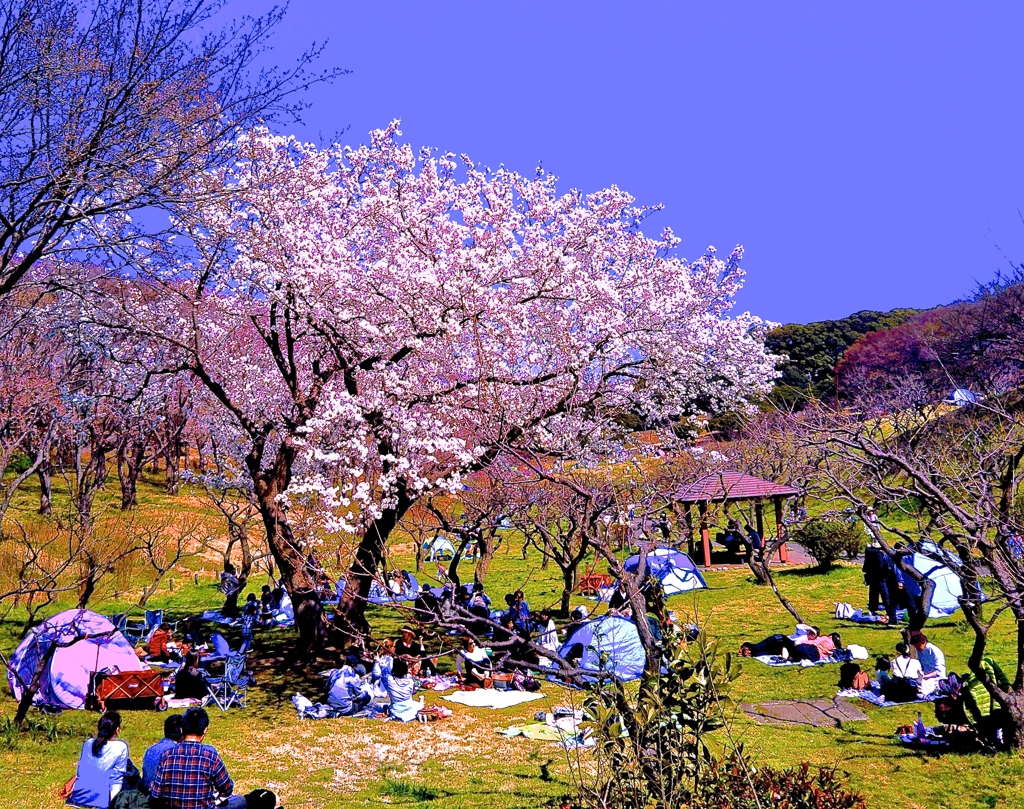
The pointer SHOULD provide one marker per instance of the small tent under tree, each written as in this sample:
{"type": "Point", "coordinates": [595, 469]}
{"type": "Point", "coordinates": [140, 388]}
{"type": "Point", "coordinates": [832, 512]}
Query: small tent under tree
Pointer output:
{"type": "Point", "coordinates": [961, 397]}
{"type": "Point", "coordinates": [77, 643]}
{"type": "Point", "coordinates": [948, 590]}
{"type": "Point", "coordinates": [439, 548]}
{"type": "Point", "coordinates": [613, 638]}
{"type": "Point", "coordinates": [674, 569]}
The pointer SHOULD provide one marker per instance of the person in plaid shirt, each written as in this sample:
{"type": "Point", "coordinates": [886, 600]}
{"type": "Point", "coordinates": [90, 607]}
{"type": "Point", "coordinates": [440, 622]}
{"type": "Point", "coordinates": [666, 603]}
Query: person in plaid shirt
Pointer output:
{"type": "Point", "coordinates": [192, 775]}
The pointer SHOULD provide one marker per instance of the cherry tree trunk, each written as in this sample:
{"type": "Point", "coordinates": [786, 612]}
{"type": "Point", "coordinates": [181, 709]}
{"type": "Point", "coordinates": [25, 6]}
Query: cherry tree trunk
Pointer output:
{"type": "Point", "coordinates": [45, 488]}
{"type": "Point", "coordinates": [129, 467]}
{"type": "Point", "coordinates": [351, 612]}
{"type": "Point", "coordinates": [568, 585]}
{"type": "Point", "coordinates": [1016, 724]}
{"type": "Point", "coordinates": [486, 554]}
{"type": "Point", "coordinates": [286, 551]}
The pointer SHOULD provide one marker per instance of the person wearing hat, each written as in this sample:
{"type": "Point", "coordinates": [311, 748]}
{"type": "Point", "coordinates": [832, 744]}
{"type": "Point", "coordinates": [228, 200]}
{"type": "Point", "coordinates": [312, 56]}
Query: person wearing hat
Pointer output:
{"type": "Point", "coordinates": [411, 649]}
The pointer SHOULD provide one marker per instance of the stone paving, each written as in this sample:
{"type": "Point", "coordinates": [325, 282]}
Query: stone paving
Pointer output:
{"type": "Point", "coordinates": [819, 713]}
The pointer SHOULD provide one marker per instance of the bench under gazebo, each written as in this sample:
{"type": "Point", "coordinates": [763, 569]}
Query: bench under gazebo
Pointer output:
{"type": "Point", "coordinates": [727, 487]}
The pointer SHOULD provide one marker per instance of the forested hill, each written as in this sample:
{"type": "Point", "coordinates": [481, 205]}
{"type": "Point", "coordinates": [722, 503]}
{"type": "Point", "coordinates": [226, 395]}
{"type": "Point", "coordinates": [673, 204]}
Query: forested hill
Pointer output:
{"type": "Point", "coordinates": [814, 349]}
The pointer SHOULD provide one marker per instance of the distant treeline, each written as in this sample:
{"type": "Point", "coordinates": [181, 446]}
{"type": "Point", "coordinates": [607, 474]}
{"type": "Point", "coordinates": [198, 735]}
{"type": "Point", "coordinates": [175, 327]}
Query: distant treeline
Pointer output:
{"type": "Point", "coordinates": [976, 343]}
{"type": "Point", "coordinates": [815, 349]}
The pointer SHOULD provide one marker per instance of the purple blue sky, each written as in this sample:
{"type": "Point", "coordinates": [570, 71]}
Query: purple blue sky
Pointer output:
{"type": "Point", "coordinates": [867, 155]}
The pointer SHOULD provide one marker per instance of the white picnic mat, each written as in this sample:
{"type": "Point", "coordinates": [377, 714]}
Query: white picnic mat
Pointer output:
{"type": "Point", "coordinates": [492, 698]}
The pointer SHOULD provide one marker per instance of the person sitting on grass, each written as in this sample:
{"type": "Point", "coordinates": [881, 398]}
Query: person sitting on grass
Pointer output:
{"type": "Point", "coordinates": [157, 649]}
{"type": "Point", "coordinates": [102, 767]}
{"type": "Point", "coordinates": [383, 662]}
{"type": "Point", "coordinates": [189, 682]}
{"type": "Point", "coordinates": [521, 612]}
{"type": "Point", "coordinates": [346, 692]}
{"type": "Point", "coordinates": [933, 663]}
{"type": "Point", "coordinates": [988, 718]}
{"type": "Point", "coordinates": [906, 676]}
{"type": "Point", "coordinates": [472, 664]}
{"type": "Point", "coordinates": [192, 775]}
{"type": "Point", "coordinates": [412, 649]}
{"type": "Point", "coordinates": [400, 686]}
{"type": "Point", "coordinates": [883, 671]}
{"type": "Point", "coordinates": [151, 758]}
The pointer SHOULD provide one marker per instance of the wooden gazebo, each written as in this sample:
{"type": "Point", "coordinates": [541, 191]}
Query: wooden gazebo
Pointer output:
{"type": "Point", "coordinates": [733, 487]}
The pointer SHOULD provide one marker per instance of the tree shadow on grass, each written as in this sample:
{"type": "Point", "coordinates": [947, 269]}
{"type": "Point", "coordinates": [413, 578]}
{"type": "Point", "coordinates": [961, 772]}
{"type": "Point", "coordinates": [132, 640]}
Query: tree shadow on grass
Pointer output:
{"type": "Point", "coordinates": [802, 572]}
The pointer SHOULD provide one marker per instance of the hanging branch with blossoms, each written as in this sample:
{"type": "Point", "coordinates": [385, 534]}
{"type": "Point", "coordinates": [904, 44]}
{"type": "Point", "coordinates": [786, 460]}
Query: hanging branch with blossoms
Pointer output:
{"type": "Point", "coordinates": [375, 323]}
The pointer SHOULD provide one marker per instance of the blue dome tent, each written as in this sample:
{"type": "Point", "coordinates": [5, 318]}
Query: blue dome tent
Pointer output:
{"type": "Point", "coordinates": [674, 569]}
{"type": "Point", "coordinates": [962, 397]}
{"type": "Point", "coordinates": [613, 636]}
{"type": "Point", "coordinates": [946, 597]}
{"type": "Point", "coordinates": [86, 643]}
{"type": "Point", "coordinates": [439, 548]}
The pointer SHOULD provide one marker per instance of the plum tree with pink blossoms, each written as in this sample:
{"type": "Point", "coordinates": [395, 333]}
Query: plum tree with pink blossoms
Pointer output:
{"type": "Point", "coordinates": [376, 323]}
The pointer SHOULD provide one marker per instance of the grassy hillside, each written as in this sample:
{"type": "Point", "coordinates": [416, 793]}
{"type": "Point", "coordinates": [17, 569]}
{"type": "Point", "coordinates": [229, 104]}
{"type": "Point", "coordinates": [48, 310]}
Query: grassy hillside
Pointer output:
{"type": "Point", "coordinates": [462, 762]}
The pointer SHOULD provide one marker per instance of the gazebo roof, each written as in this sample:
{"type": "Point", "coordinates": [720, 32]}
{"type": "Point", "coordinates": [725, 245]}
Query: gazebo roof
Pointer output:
{"type": "Point", "coordinates": [726, 485]}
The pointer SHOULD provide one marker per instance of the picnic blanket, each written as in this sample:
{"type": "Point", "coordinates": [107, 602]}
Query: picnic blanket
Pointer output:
{"type": "Point", "coordinates": [492, 698]}
{"type": "Point", "coordinates": [776, 661]}
{"type": "Point", "coordinates": [215, 616]}
{"type": "Point", "coordinates": [931, 740]}
{"type": "Point", "coordinates": [539, 731]}
{"type": "Point", "coordinates": [561, 726]}
{"type": "Point", "coordinates": [868, 695]}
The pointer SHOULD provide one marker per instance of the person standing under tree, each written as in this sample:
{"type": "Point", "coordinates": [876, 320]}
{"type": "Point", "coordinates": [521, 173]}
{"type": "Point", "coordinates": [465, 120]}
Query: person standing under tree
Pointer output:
{"type": "Point", "coordinates": [230, 587]}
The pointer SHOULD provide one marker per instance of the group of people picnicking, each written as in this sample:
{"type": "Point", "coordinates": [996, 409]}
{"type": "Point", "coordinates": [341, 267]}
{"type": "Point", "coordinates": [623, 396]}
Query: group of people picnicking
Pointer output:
{"type": "Point", "coordinates": [180, 771]}
{"type": "Point", "coordinates": [810, 645]}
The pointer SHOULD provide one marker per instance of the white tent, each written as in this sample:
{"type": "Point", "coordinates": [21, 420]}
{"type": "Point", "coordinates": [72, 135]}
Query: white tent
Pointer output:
{"type": "Point", "coordinates": [439, 548]}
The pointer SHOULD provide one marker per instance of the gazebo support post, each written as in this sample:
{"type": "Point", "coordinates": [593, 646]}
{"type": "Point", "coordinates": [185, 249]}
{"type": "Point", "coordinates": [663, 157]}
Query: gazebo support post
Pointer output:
{"type": "Point", "coordinates": [759, 517]}
{"type": "Point", "coordinates": [688, 515]}
{"type": "Point", "coordinates": [783, 553]}
{"type": "Point", "coordinates": [705, 537]}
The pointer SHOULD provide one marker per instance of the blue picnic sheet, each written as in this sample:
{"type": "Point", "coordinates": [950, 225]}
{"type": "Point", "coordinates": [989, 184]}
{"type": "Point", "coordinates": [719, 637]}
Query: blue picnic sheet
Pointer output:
{"type": "Point", "coordinates": [861, 617]}
{"type": "Point", "coordinates": [777, 661]}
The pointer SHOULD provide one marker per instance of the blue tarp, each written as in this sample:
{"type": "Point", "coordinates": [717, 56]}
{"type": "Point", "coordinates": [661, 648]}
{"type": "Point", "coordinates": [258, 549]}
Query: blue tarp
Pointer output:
{"type": "Point", "coordinates": [613, 636]}
{"type": "Point", "coordinates": [674, 569]}
{"type": "Point", "coordinates": [381, 594]}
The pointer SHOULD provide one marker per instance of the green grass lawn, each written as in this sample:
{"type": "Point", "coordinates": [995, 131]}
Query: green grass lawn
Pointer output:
{"type": "Point", "coordinates": [462, 762]}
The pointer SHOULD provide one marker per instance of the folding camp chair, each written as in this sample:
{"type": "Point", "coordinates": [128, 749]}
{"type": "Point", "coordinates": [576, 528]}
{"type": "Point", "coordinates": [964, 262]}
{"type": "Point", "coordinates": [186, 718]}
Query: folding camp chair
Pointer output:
{"type": "Point", "coordinates": [133, 631]}
{"type": "Point", "coordinates": [229, 689]}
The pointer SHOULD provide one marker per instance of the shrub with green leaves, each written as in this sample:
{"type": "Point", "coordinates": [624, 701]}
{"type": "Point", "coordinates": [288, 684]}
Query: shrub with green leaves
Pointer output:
{"type": "Point", "coordinates": [829, 540]}
{"type": "Point", "coordinates": [654, 746]}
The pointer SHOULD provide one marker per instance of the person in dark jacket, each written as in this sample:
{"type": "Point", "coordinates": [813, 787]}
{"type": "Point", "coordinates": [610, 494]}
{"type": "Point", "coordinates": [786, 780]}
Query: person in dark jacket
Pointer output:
{"type": "Point", "coordinates": [910, 589]}
{"type": "Point", "coordinates": [881, 580]}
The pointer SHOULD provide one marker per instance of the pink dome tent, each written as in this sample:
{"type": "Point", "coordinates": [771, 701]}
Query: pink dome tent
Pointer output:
{"type": "Point", "coordinates": [86, 643]}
